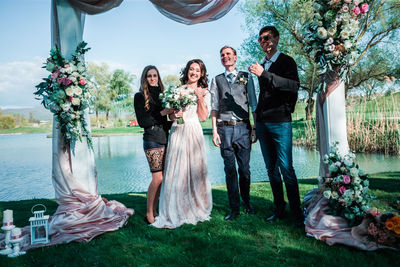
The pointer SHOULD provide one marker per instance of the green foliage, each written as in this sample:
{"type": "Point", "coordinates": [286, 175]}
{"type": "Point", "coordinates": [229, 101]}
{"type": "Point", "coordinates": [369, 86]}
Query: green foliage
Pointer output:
{"type": "Point", "coordinates": [171, 81]}
{"type": "Point", "coordinates": [7, 122]}
{"type": "Point", "coordinates": [247, 241]}
{"type": "Point", "coordinates": [379, 35]}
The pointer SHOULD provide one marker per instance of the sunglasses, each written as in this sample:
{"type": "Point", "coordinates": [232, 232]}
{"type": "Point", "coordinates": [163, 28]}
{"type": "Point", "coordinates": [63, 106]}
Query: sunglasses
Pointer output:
{"type": "Point", "coordinates": [265, 38]}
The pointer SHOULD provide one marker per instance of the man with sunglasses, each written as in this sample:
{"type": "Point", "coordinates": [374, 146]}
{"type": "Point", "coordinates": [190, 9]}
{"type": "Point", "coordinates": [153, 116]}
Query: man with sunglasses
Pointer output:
{"type": "Point", "coordinates": [279, 83]}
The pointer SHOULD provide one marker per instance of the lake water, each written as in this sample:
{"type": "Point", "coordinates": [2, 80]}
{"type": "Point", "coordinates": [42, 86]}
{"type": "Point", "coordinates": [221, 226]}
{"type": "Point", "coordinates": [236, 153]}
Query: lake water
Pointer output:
{"type": "Point", "coordinates": [25, 165]}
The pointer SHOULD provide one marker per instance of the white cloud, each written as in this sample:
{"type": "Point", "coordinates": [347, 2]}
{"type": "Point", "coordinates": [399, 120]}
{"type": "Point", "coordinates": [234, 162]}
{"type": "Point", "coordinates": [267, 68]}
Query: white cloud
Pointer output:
{"type": "Point", "coordinates": [18, 80]}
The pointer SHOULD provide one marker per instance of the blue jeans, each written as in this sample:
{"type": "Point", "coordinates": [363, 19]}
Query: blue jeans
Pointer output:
{"type": "Point", "coordinates": [236, 146]}
{"type": "Point", "coordinates": [276, 147]}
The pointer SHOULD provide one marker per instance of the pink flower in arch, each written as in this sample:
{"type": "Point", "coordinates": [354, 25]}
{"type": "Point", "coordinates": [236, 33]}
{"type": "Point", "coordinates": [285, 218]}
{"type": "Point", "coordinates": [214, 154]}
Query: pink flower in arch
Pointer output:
{"type": "Point", "coordinates": [82, 81]}
{"type": "Point", "coordinates": [364, 8]}
{"type": "Point", "coordinates": [356, 10]}
{"type": "Point", "coordinates": [66, 81]}
{"type": "Point", "coordinates": [346, 179]}
{"type": "Point", "coordinates": [342, 189]}
{"type": "Point", "coordinates": [55, 74]}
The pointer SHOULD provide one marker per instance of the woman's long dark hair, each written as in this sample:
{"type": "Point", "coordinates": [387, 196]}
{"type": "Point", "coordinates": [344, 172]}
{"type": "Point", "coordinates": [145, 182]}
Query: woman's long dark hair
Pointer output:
{"type": "Point", "coordinates": [144, 85]}
{"type": "Point", "coordinates": [203, 81]}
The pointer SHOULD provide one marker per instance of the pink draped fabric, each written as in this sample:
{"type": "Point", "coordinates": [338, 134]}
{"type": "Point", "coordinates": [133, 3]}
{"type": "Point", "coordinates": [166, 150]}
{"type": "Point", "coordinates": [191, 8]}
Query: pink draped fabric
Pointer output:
{"type": "Point", "coordinates": [194, 11]}
{"type": "Point", "coordinates": [94, 6]}
{"type": "Point", "coordinates": [334, 229]}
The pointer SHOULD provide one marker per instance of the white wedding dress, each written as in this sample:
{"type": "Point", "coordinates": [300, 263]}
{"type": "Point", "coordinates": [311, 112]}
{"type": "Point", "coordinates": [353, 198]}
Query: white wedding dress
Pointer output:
{"type": "Point", "coordinates": [186, 190]}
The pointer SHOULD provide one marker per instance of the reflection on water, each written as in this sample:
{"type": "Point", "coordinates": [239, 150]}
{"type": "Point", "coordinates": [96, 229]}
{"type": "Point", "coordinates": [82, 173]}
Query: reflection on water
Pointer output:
{"type": "Point", "coordinates": [25, 165]}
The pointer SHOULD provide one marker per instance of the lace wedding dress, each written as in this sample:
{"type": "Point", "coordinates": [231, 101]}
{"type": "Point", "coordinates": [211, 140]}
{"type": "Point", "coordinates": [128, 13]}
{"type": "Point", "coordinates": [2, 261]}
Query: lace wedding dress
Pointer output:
{"type": "Point", "coordinates": [186, 191]}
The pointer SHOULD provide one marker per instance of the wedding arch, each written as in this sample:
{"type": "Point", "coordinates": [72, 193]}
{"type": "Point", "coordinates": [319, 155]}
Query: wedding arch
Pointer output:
{"type": "Point", "coordinates": [82, 213]}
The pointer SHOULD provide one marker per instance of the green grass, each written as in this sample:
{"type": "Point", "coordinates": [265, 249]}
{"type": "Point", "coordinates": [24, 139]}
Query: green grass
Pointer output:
{"type": "Point", "coordinates": [247, 241]}
{"type": "Point", "coordinates": [26, 130]}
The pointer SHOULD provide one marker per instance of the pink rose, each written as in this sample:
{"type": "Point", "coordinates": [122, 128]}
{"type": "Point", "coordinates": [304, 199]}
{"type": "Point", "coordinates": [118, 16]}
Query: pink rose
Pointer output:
{"type": "Point", "coordinates": [364, 8]}
{"type": "Point", "coordinates": [70, 98]}
{"type": "Point", "coordinates": [345, 9]}
{"type": "Point", "coordinates": [66, 65]}
{"type": "Point", "coordinates": [356, 10]}
{"type": "Point", "coordinates": [55, 74]}
{"type": "Point", "coordinates": [82, 81]}
{"type": "Point", "coordinates": [342, 189]}
{"type": "Point", "coordinates": [346, 179]}
{"type": "Point", "coordinates": [66, 81]}
{"type": "Point", "coordinates": [59, 80]}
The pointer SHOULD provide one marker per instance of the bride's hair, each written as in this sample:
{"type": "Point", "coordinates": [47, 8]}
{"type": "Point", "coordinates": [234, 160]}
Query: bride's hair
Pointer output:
{"type": "Point", "coordinates": [144, 85]}
{"type": "Point", "coordinates": [203, 81]}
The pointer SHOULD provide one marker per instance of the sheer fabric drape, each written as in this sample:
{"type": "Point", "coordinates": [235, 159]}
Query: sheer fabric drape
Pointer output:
{"type": "Point", "coordinates": [194, 11]}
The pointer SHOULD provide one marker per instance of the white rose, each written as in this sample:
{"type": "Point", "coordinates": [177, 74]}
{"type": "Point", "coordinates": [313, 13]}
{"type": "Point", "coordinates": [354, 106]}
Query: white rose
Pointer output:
{"type": "Point", "coordinates": [329, 41]}
{"type": "Point", "coordinates": [76, 101]}
{"type": "Point", "coordinates": [322, 33]}
{"type": "Point", "coordinates": [345, 34]}
{"type": "Point", "coordinates": [72, 116]}
{"type": "Point", "coordinates": [348, 161]}
{"type": "Point", "coordinates": [327, 194]}
{"type": "Point", "coordinates": [331, 31]}
{"type": "Point", "coordinates": [66, 106]}
{"type": "Point", "coordinates": [69, 91]}
{"type": "Point", "coordinates": [77, 90]}
{"type": "Point", "coordinates": [354, 172]}
{"type": "Point", "coordinates": [335, 195]}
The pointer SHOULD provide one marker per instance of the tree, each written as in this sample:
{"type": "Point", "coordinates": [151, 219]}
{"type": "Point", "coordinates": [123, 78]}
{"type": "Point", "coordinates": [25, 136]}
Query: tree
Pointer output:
{"type": "Point", "coordinates": [119, 90]}
{"type": "Point", "coordinates": [171, 80]}
{"type": "Point", "coordinates": [7, 122]}
{"type": "Point", "coordinates": [100, 76]}
{"type": "Point", "coordinates": [291, 18]}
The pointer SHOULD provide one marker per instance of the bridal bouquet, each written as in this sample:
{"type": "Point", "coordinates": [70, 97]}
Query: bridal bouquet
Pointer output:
{"type": "Point", "coordinates": [332, 34]}
{"type": "Point", "coordinates": [65, 92]}
{"type": "Point", "coordinates": [346, 187]}
{"type": "Point", "coordinates": [178, 98]}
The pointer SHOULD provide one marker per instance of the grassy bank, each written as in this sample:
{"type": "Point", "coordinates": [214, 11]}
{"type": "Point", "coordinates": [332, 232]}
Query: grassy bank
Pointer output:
{"type": "Point", "coordinates": [26, 130]}
{"type": "Point", "coordinates": [247, 241]}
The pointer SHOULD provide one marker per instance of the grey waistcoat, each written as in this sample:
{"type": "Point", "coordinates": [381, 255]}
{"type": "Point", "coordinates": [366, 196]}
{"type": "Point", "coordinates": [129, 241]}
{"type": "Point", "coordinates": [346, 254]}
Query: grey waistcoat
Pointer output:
{"type": "Point", "coordinates": [232, 98]}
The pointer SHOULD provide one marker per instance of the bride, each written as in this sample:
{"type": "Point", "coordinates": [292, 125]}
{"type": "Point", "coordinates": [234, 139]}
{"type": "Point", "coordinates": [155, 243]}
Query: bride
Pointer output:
{"type": "Point", "coordinates": [186, 191]}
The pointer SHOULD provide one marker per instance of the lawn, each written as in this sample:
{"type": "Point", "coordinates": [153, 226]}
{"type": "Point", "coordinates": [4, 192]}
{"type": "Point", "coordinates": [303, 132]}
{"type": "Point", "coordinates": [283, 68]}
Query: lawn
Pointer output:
{"type": "Point", "coordinates": [247, 241]}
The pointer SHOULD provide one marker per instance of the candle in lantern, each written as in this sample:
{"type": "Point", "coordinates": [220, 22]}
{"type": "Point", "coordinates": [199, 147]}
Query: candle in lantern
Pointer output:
{"type": "Point", "coordinates": [8, 218]}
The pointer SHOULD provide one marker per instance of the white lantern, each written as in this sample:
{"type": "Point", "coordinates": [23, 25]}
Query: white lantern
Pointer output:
{"type": "Point", "coordinates": [39, 226]}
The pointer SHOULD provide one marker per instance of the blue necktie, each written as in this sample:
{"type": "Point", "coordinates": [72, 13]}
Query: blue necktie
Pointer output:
{"type": "Point", "coordinates": [230, 78]}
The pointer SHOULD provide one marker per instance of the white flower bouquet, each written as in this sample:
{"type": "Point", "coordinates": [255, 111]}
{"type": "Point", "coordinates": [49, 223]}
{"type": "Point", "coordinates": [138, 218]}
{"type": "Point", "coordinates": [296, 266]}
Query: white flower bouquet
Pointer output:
{"type": "Point", "coordinates": [332, 35]}
{"type": "Point", "coordinates": [346, 187]}
{"type": "Point", "coordinates": [65, 92]}
{"type": "Point", "coordinates": [178, 98]}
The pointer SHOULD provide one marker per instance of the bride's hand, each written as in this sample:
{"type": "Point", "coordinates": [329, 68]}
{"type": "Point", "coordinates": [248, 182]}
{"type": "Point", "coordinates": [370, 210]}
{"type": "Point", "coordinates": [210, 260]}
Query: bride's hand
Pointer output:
{"type": "Point", "coordinates": [176, 114]}
{"type": "Point", "coordinates": [199, 92]}
{"type": "Point", "coordinates": [166, 111]}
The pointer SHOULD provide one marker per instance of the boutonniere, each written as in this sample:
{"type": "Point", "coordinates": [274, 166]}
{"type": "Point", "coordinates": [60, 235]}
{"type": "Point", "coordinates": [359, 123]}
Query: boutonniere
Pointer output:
{"type": "Point", "coordinates": [242, 79]}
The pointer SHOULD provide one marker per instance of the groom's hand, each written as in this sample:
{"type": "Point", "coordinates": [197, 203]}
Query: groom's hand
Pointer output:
{"type": "Point", "coordinates": [216, 140]}
{"type": "Point", "coordinates": [256, 69]}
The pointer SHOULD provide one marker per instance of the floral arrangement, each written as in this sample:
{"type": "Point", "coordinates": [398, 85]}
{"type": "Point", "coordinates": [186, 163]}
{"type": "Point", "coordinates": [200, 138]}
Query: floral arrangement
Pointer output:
{"type": "Point", "coordinates": [65, 92]}
{"type": "Point", "coordinates": [346, 187]}
{"type": "Point", "coordinates": [178, 98]}
{"type": "Point", "coordinates": [332, 34]}
{"type": "Point", "coordinates": [383, 228]}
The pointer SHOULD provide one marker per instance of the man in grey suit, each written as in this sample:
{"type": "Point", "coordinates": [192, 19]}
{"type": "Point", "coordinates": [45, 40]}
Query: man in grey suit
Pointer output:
{"type": "Point", "coordinates": [232, 92]}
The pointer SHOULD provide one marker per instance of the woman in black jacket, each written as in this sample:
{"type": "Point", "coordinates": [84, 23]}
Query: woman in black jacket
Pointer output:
{"type": "Point", "coordinates": [153, 118]}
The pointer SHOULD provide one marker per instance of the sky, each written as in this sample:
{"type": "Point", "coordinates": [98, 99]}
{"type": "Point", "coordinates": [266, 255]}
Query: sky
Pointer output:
{"type": "Point", "coordinates": [131, 36]}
